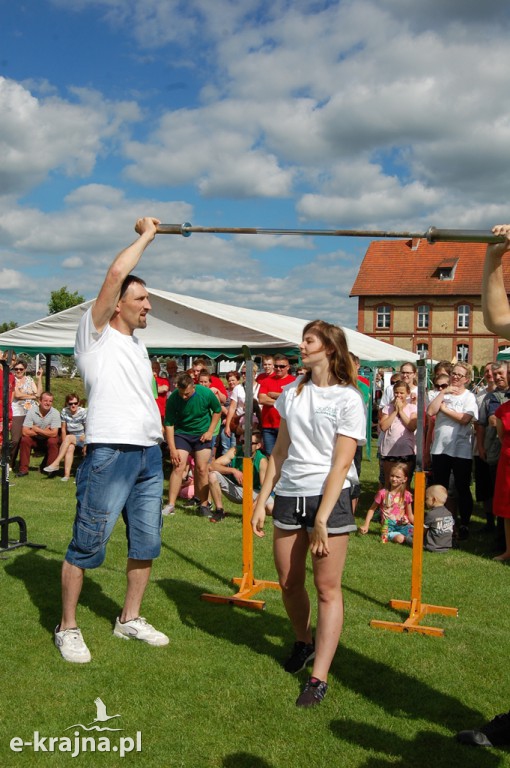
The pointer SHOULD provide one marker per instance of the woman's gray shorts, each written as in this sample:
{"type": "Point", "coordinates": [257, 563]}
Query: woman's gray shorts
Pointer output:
{"type": "Point", "coordinates": [291, 513]}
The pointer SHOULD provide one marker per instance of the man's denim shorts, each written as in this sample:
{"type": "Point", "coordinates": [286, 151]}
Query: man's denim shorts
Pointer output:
{"type": "Point", "coordinates": [114, 480]}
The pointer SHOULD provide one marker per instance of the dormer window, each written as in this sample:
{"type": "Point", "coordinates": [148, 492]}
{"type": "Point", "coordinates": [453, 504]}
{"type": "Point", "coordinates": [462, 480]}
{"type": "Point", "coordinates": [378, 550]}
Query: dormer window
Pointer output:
{"type": "Point", "coordinates": [446, 270]}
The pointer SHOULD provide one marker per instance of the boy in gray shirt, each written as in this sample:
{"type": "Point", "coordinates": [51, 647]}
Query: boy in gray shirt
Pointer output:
{"type": "Point", "coordinates": [438, 520]}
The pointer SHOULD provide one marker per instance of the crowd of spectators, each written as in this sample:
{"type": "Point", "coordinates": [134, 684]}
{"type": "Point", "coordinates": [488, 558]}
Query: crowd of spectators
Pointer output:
{"type": "Point", "coordinates": [463, 431]}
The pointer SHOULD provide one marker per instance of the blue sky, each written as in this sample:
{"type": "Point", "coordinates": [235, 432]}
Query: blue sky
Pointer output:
{"type": "Point", "coordinates": [381, 114]}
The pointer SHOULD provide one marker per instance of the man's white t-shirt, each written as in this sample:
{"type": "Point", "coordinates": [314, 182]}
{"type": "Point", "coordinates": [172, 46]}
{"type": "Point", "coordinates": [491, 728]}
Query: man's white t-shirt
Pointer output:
{"type": "Point", "coordinates": [117, 374]}
{"type": "Point", "coordinates": [314, 418]}
{"type": "Point", "coordinates": [450, 437]}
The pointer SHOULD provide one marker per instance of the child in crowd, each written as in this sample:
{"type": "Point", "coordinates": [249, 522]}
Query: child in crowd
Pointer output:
{"type": "Point", "coordinates": [395, 506]}
{"type": "Point", "coordinates": [438, 520]}
{"type": "Point", "coordinates": [398, 422]}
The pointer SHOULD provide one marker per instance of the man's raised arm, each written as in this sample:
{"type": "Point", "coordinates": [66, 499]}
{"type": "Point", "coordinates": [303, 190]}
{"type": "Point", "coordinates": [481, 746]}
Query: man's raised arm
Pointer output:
{"type": "Point", "coordinates": [495, 306]}
{"type": "Point", "coordinates": [122, 265]}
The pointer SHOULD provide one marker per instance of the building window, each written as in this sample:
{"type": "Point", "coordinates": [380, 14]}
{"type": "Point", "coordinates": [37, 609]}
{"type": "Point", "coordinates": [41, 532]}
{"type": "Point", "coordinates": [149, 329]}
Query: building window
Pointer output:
{"type": "Point", "coordinates": [423, 317]}
{"type": "Point", "coordinates": [463, 312]}
{"type": "Point", "coordinates": [462, 353]}
{"type": "Point", "coordinates": [383, 316]}
{"type": "Point", "coordinates": [422, 350]}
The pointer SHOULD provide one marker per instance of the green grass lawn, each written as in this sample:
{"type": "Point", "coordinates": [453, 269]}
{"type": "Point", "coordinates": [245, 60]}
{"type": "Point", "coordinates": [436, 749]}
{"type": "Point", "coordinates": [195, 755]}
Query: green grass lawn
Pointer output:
{"type": "Point", "coordinates": [217, 695]}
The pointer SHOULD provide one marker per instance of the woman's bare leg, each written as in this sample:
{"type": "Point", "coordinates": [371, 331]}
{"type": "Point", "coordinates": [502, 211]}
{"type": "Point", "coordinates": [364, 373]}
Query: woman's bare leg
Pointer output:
{"type": "Point", "coordinates": [66, 442]}
{"type": "Point", "coordinates": [290, 549]}
{"type": "Point", "coordinates": [328, 583]}
{"type": "Point", "coordinates": [68, 459]}
{"type": "Point", "coordinates": [506, 553]}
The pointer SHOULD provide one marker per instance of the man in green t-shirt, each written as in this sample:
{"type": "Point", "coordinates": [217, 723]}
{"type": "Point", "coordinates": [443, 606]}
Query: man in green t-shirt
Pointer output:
{"type": "Point", "coordinates": [192, 413]}
{"type": "Point", "coordinates": [226, 475]}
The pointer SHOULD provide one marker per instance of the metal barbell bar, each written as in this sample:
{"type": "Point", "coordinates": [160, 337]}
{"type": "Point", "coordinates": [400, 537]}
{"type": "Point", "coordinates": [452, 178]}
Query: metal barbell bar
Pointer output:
{"type": "Point", "coordinates": [432, 235]}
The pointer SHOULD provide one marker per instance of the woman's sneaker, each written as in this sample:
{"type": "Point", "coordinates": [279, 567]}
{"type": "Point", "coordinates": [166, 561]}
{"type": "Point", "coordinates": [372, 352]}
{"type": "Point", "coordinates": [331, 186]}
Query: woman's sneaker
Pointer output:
{"type": "Point", "coordinates": [71, 645]}
{"type": "Point", "coordinates": [313, 693]}
{"type": "Point", "coordinates": [493, 734]}
{"type": "Point", "coordinates": [139, 629]}
{"type": "Point", "coordinates": [302, 654]}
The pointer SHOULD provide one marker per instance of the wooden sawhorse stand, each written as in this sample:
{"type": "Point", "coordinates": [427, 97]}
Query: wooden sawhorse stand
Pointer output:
{"type": "Point", "coordinates": [417, 609]}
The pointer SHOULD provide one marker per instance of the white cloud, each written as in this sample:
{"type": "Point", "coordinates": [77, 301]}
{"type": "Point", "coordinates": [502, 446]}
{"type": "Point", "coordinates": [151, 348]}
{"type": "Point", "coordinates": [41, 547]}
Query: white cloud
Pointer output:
{"type": "Point", "coordinates": [216, 147]}
{"type": "Point", "coordinates": [38, 135]}
{"type": "Point", "coordinates": [96, 219]}
{"type": "Point", "coordinates": [73, 262]}
{"type": "Point", "coordinates": [10, 279]}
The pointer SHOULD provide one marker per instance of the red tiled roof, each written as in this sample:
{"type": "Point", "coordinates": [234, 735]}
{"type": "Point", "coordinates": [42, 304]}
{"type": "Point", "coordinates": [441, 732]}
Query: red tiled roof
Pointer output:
{"type": "Point", "coordinates": [395, 268]}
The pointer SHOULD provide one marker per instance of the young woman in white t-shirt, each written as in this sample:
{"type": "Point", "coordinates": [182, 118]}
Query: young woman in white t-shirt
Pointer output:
{"type": "Point", "coordinates": [454, 409]}
{"type": "Point", "coordinates": [311, 469]}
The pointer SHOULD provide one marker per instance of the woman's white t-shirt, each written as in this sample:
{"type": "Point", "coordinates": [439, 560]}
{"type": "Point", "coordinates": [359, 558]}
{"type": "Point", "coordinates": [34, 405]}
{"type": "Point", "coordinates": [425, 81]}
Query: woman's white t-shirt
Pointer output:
{"type": "Point", "coordinates": [314, 418]}
{"type": "Point", "coordinates": [239, 395]}
{"type": "Point", "coordinates": [450, 436]}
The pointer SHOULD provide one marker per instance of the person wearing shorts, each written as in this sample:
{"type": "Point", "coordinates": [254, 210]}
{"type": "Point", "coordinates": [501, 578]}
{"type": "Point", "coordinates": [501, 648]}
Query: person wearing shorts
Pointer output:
{"type": "Point", "coordinates": [311, 468]}
{"type": "Point", "coordinates": [192, 414]}
{"type": "Point", "coordinates": [122, 471]}
{"type": "Point", "coordinates": [226, 475]}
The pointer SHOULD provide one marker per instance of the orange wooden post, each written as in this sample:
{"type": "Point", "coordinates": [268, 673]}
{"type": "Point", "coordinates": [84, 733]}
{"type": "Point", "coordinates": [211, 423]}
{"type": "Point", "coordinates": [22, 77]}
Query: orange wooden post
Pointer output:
{"type": "Point", "coordinates": [248, 584]}
{"type": "Point", "coordinates": [417, 609]}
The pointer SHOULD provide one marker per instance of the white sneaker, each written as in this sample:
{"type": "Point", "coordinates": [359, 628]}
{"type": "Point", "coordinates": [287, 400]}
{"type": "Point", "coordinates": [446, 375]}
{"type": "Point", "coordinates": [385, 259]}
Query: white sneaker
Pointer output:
{"type": "Point", "coordinates": [140, 629]}
{"type": "Point", "coordinates": [64, 479]}
{"type": "Point", "coordinates": [71, 645]}
{"type": "Point", "coordinates": [169, 509]}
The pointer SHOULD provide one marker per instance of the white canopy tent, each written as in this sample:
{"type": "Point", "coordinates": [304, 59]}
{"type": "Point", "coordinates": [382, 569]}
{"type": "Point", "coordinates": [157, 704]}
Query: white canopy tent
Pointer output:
{"type": "Point", "coordinates": [186, 325]}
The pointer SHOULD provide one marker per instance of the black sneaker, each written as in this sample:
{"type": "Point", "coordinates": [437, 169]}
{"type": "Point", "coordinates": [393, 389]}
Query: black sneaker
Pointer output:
{"type": "Point", "coordinates": [205, 510]}
{"type": "Point", "coordinates": [218, 516]}
{"type": "Point", "coordinates": [302, 653]}
{"type": "Point", "coordinates": [463, 532]}
{"type": "Point", "coordinates": [313, 693]}
{"type": "Point", "coordinates": [494, 734]}
{"type": "Point", "coordinates": [191, 503]}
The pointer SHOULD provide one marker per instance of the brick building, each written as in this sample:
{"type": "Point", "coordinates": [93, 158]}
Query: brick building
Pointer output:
{"type": "Point", "coordinates": [427, 299]}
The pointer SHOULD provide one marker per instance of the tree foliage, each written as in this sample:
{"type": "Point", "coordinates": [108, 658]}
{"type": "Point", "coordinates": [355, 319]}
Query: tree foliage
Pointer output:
{"type": "Point", "coordinates": [63, 299]}
{"type": "Point", "coordinates": [8, 326]}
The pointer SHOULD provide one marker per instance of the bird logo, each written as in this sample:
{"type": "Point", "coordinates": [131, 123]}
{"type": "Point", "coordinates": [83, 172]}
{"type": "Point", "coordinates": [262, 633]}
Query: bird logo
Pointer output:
{"type": "Point", "coordinates": [101, 717]}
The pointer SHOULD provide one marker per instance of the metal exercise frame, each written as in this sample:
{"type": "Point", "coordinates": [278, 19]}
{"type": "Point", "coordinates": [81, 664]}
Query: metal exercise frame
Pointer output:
{"type": "Point", "coordinates": [6, 544]}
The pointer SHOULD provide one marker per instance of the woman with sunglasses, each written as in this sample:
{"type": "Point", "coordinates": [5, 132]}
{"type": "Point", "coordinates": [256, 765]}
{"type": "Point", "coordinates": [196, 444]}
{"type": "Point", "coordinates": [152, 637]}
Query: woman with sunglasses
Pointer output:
{"type": "Point", "coordinates": [312, 471]}
{"type": "Point", "coordinates": [73, 434]}
{"type": "Point", "coordinates": [25, 395]}
{"type": "Point", "coordinates": [441, 381]}
{"type": "Point", "coordinates": [454, 409]}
